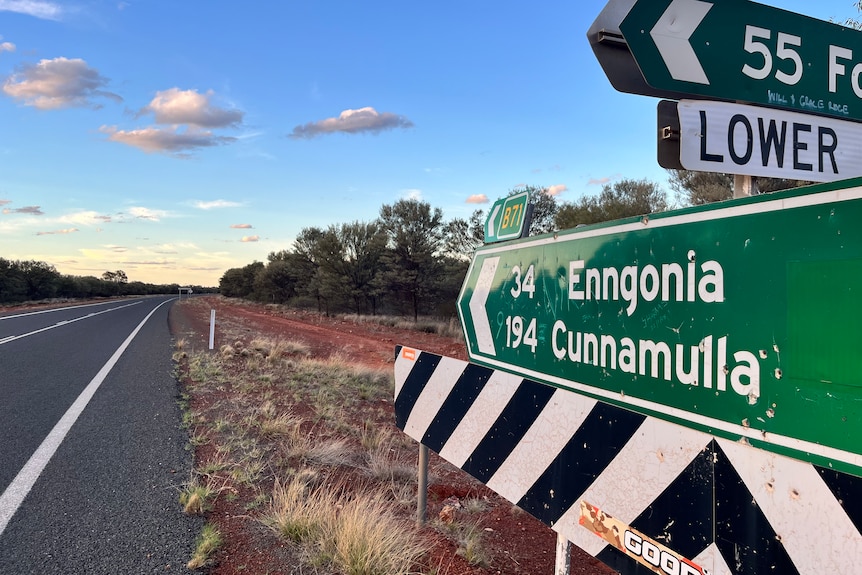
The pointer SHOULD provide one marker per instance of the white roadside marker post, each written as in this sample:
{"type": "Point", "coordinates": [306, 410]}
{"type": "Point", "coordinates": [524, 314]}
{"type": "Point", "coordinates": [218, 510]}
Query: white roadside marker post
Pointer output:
{"type": "Point", "coordinates": [212, 328]}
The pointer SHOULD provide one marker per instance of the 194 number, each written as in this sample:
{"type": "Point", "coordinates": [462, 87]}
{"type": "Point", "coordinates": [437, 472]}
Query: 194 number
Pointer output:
{"type": "Point", "coordinates": [516, 334]}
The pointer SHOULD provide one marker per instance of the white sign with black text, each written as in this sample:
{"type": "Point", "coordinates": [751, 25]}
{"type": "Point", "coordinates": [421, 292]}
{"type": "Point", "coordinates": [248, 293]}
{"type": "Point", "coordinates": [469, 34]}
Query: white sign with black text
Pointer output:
{"type": "Point", "coordinates": [754, 141]}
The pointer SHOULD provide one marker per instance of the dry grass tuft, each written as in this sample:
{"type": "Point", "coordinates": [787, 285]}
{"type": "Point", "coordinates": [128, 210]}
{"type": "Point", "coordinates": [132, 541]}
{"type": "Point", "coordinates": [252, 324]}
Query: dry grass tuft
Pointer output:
{"type": "Point", "coordinates": [384, 465]}
{"type": "Point", "coordinates": [355, 534]}
{"type": "Point", "coordinates": [450, 327]}
{"type": "Point", "coordinates": [281, 425]}
{"type": "Point", "coordinates": [468, 536]}
{"type": "Point", "coordinates": [297, 512]}
{"type": "Point", "coordinates": [367, 538]}
{"type": "Point", "coordinates": [275, 349]}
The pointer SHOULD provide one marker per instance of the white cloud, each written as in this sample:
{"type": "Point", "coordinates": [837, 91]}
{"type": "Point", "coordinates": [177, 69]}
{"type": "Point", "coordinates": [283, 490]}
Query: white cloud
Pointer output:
{"type": "Point", "coordinates": [241, 226]}
{"type": "Point", "coordinates": [353, 122]}
{"type": "Point", "coordinates": [412, 194]}
{"type": "Point", "coordinates": [66, 231]}
{"type": "Point", "coordinates": [172, 248]}
{"type": "Point", "coordinates": [172, 139]}
{"type": "Point", "coordinates": [31, 210]}
{"type": "Point", "coordinates": [37, 8]}
{"type": "Point", "coordinates": [601, 181]}
{"type": "Point", "coordinates": [175, 106]}
{"type": "Point", "coordinates": [107, 256]}
{"type": "Point", "coordinates": [7, 47]}
{"type": "Point", "coordinates": [216, 204]}
{"type": "Point", "coordinates": [247, 239]}
{"type": "Point", "coordinates": [556, 190]}
{"type": "Point", "coordinates": [477, 199]}
{"type": "Point", "coordinates": [185, 117]}
{"type": "Point", "coordinates": [84, 218]}
{"type": "Point", "coordinates": [147, 213]}
{"type": "Point", "coordinates": [34, 221]}
{"type": "Point", "coordinates": [58, 83]}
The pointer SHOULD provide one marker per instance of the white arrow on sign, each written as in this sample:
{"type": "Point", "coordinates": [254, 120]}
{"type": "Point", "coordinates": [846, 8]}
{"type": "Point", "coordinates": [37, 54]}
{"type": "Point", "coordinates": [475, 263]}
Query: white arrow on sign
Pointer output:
{"type": "Point", "coordinates": [491, 223]}
{"type": "Point", "coordinates": [672, 35]}
{"type": "Point", "coordinates": [484, 338]}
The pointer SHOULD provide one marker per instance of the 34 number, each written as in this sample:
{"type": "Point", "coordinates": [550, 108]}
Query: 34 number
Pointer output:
{"type": "Point", "coordinates": [526, 285]}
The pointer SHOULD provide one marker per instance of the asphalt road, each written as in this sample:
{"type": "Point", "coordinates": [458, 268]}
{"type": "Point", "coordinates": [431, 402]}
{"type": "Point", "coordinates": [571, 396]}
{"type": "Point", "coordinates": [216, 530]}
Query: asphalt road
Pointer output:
{"type": "Point", "coordinates": [92, 454]}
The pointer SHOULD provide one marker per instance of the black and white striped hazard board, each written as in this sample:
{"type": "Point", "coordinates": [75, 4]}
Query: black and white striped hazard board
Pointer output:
{"type": "Point", "coordinates": [683, 498]}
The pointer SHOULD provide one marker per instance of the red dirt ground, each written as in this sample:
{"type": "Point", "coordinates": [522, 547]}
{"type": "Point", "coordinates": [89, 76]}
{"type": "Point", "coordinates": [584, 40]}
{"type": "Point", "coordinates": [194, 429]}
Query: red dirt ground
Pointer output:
{"type": "Point", "coordinates": [517, 543]}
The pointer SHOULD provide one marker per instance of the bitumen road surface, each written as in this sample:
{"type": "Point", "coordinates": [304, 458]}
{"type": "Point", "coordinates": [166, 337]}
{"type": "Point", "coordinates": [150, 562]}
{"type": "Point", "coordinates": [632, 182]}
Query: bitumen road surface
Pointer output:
{"type": "Point", "coordinates": [92, 453]}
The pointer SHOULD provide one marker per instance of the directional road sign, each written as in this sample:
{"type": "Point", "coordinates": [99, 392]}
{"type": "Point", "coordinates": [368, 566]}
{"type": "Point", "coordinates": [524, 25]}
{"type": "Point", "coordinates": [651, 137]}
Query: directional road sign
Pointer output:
{"type": "Point", "coordinates": [741, 319]}
{"type": "Point", "coordinates": [744, 51]}
{"type": "Point", "coordinates": [757, 141]}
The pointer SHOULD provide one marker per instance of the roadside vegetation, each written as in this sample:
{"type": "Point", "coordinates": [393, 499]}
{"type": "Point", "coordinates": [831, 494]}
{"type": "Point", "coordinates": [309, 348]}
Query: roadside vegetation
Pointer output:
{"type": "Point", "coordinates": [306, 450]}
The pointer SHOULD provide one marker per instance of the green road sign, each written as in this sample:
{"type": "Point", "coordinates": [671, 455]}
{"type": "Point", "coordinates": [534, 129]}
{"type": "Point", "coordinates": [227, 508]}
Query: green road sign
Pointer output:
{"type": "Point", "coordinates": [506, 218]}
{"type": "Point", "coordinates": [742, 318]}
{"type": "Point", "coordinates": [744, 51]}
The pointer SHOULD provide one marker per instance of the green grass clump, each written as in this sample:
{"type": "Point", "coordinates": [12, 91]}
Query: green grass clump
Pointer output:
{"type": "Point", "coordinates": [208, 542]}
{"type": "Point", "coordinates": [196, 498]}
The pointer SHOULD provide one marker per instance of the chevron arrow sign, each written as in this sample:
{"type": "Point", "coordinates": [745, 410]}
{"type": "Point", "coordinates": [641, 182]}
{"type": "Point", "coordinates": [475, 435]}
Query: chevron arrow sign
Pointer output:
{"type": "Point", "coordinates": [661, 497]}
{"type": "Point", "coordinates": [743, 51]}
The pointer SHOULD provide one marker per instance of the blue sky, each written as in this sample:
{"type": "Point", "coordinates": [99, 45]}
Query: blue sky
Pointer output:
{"type": "Point", "coordinates": [177, 139]}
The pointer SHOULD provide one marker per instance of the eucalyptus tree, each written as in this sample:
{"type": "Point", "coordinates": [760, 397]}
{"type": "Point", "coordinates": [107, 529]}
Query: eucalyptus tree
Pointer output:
{"type": "Point", "coordinates": [624, 198]}
{"type": "Point", "coordinates": [412, 267]}
{"type": "Point", "coordinates": [461, 237]}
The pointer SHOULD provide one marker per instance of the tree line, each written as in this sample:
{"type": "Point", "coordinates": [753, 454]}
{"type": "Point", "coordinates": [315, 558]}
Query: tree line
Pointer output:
{"type": "Point", "coordinates": [31, 280]}
{"type": "Point", "coordinates": [399, 262]}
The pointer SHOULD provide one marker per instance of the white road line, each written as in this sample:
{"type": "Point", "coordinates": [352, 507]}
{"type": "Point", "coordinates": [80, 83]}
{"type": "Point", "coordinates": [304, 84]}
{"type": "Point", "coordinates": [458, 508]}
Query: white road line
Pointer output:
{"type": "Point", "coordinates": [66, 322]}
{"type": "Point", "coordinates": [53, 309]}
{"type": "Point", "coordinates": [26, 478]}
